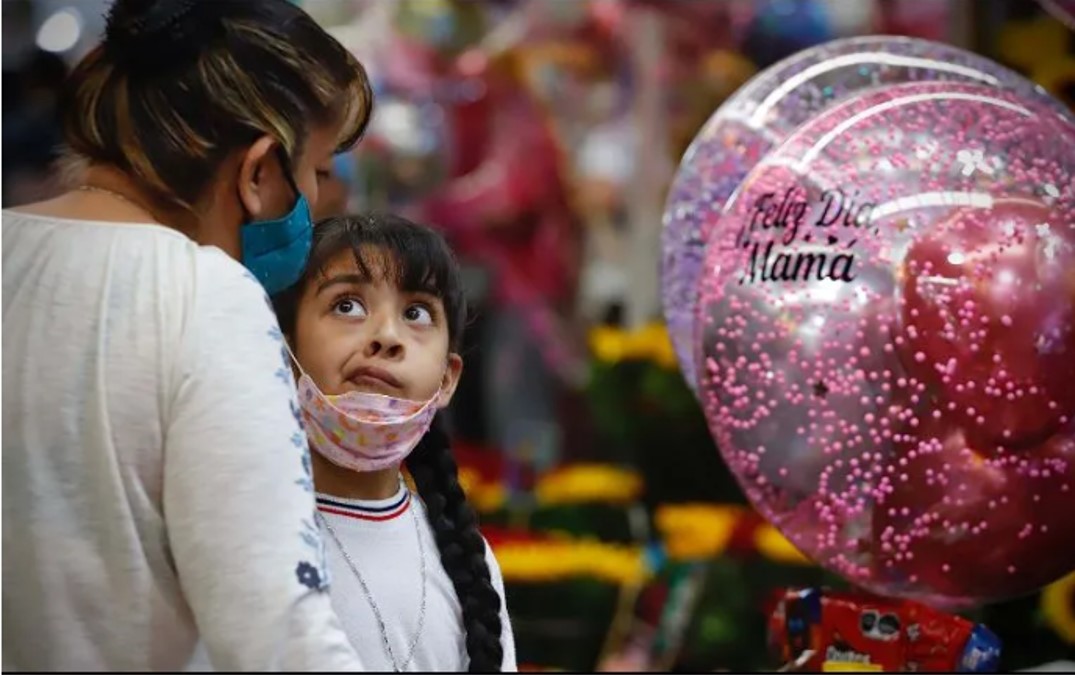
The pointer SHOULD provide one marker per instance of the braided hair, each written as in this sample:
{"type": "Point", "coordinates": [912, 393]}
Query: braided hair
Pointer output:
{"type": "Point", "coordinates": [423, 261]}
{"type": "Point", "coordinates": [462, 548]}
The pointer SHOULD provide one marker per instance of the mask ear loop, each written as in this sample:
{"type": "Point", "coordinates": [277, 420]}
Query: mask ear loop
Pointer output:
{"type": "Point", "coordinates": [295, 360]}
{"type": "Point", "coordinates": [285, 166]}
{"type": "Point", "coordinates": [441, 387]}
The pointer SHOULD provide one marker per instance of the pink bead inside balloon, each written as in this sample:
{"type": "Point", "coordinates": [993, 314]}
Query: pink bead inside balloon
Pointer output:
{"type": "Point", "coordinates": [896, 278]}
{"type": "Point", "coordinates": [760, 116]}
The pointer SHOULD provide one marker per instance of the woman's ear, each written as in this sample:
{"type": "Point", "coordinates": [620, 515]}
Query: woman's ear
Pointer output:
{"type": "Point", "coordinates": [255, 168]}
{"type": "Point", "coordinates": [450, 380]}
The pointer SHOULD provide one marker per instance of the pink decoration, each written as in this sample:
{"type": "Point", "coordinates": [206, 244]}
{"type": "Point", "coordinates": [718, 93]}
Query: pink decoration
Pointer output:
{"type": "Point", "coordinates": [894, 281]}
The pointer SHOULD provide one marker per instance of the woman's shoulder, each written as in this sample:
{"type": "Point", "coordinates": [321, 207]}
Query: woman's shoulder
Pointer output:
{"type": "Point", "coordinates": [228, 304]}
{"type": "Point", "coordinates": [133, 258]}
{"type": "Point", "coordinates": [193, 281]}
{"type": "Point", "coordinates": [153, 249]}
{"type": "Point", "coordinates": [220, 273]}
{"type": "Point", "coordinates": [32, 221]}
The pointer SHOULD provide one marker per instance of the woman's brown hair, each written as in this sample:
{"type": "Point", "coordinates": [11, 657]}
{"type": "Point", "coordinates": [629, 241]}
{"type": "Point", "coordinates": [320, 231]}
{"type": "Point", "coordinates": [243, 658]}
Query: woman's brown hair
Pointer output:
{"type": "Point", "coordinates": [178, 85]}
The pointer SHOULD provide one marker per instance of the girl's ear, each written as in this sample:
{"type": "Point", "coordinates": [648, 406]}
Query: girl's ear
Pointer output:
{"type": "Point", "coordinates": [450, 380]}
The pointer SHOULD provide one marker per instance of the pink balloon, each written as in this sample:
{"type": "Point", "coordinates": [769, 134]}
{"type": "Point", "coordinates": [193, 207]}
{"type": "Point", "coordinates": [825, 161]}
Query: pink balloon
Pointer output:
{"type": "Point", "coordinates": [965, 520]}
{"type": "Point", "coordinates": [761, 115]}
{"type": "Point", "coordinates": [975, 287]}
{"type": "Point", "coordinates": [885, 321]}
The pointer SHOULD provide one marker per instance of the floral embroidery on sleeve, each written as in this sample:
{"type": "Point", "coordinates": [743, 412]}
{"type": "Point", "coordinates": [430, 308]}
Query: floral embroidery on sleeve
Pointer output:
{"type": "Point", "coordinates": [313, 539]}
{"type": "Point", "coordinates": [308, 576]}
{"type": "Point", "coordinates": [312, 575]}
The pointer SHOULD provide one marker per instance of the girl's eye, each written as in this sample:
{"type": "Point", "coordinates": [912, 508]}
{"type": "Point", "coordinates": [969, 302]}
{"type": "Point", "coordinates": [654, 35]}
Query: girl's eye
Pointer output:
{"type": "Point", "coordinates": [349, 307]}
{"type": "Point", "coordinates": [419, 314]}
{"type": "Point", "coordinates": [323, 174]}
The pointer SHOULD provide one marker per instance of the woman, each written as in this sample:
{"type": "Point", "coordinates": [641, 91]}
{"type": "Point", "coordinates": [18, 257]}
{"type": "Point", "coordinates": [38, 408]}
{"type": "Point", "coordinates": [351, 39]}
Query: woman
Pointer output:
{"type": "Point", "coordinates": [149, 414]}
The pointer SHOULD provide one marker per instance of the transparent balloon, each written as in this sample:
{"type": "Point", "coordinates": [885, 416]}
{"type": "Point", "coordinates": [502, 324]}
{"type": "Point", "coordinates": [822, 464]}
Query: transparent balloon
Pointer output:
{"type": "Point", "coordinates": [762, 115]}
{"type": "Point", "coordinates": [886, 325]}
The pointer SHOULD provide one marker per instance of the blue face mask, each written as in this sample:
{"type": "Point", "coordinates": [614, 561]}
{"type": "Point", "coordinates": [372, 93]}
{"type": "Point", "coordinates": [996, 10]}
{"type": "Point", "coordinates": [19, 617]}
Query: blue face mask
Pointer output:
{"type": "Point", "coordinates": [275, 251]}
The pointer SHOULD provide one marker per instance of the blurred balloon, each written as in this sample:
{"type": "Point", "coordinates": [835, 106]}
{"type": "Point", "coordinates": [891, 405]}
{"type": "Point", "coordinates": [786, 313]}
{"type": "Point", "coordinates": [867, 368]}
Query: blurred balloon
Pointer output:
{"type": "Point", "coordinates": [852, 17]}
{"type": "Point", "coordinates": [407, 152]}
{"type": "Point", "coordinates": [925, 20]}
{"type": "Point", "coordinates": [557, 18]}
{"type": "Point", "coordinates": [447, 26]}
{"type": "Point", "coordinates": [740, 12]}
{"type": "Point", "coordinates": [761, 115]}
{"type": "Point", "coordinates": [783, 27]}
{"type": "Point", "coordinates": [886, 323]}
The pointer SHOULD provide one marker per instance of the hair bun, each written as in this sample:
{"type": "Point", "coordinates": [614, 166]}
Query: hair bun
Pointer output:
{"type": "Point", "coordinates": [151, 36]}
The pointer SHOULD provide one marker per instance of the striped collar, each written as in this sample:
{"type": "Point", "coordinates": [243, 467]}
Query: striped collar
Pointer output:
{"type": "Point", "coordinates": [371, 510]}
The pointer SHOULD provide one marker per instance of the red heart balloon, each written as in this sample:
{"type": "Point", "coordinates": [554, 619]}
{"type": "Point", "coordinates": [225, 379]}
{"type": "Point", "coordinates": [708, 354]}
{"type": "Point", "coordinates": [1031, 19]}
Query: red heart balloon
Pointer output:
{"type": "Point", "coordinates": [988, 319]}
{"type": "Point", "coordinates": [970, 523]}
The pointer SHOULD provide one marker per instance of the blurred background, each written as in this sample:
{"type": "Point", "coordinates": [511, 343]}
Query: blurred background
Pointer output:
{"type": "Point", "coordinates": [541, 136]}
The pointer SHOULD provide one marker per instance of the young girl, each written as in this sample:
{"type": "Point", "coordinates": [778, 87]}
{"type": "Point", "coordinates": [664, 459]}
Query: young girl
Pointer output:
{"type": "Point", "coordinates": [375, 326]}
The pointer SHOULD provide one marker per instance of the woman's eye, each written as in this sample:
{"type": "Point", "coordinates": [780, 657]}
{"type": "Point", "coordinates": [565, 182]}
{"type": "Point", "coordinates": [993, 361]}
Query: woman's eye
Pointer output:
{"type": "Point", "coordinates": [418, 314]}
{"type": "Point", "coordinates": [349, 307]}
{"type": "Point", "coordinates": [323, 174]}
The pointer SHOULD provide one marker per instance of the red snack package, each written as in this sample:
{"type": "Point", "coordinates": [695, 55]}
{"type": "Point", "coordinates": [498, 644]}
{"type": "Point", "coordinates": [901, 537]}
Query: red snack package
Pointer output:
{"type": "Point", "coordinates": [857, 632]}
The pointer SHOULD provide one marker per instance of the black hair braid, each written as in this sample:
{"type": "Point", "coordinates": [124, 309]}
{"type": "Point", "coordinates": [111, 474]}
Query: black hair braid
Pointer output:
{"type": "Point", "coordinates": [482, 602]}
{"type": "Point", "coordinates": [461, 546]}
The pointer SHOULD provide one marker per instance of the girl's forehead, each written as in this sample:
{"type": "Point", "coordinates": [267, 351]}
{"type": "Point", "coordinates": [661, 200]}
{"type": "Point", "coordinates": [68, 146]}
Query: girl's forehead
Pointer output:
{"type": "Point", "coordinates": [372, 263]}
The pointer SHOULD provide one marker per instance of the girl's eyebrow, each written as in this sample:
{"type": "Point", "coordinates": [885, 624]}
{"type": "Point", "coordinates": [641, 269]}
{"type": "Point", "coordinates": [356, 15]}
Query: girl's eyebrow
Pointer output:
{"type": "Point", "coordinates": [422, 286]}
{"type": "Point", "coordinates": [425, 292]}
{"type": "Point", "coordinates": [351, 279]}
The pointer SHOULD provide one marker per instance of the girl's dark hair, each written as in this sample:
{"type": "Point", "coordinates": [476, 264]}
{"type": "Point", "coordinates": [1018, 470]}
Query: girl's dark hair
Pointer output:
{"type": "Point", "coordinates": [178, 85]}
{"type": "Point", "coordinates": [419, 259]}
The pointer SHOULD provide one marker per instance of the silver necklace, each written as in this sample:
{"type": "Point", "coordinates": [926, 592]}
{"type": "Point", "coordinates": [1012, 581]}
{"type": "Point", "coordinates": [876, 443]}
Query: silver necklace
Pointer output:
{"type": "Point", "coordinates": [113, 193]}
{"type": "Point", "coordinates": [399, 668]}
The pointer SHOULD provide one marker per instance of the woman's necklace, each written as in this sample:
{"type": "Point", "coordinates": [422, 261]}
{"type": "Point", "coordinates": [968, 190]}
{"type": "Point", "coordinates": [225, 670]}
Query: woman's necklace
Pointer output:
{"type": "Point", "coordinates": [399, 668]}
{"type": "Point", "coordinates": [122, 198]}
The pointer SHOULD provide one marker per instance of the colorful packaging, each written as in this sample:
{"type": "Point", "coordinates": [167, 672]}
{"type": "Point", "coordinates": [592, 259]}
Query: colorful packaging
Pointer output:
{"type": "Point", "coordinates": [856, 632]}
